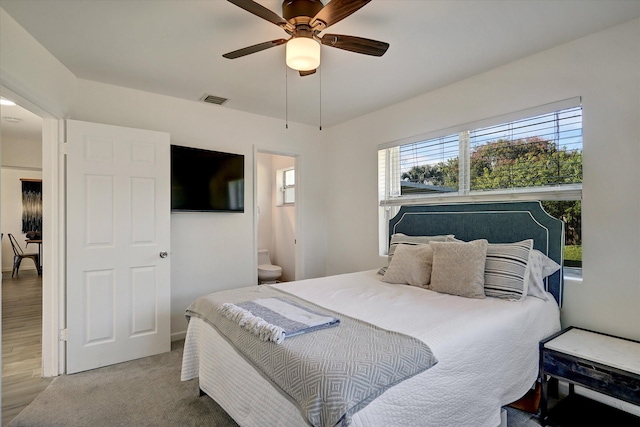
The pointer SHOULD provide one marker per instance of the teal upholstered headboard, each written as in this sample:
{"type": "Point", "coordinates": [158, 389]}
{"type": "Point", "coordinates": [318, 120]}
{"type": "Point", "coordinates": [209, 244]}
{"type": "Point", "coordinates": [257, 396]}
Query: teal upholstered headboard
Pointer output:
{"type": "Point", "coordinates": [496, 222]}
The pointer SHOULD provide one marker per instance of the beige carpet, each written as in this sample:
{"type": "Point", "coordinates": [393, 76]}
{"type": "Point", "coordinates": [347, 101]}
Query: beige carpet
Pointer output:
{"type": "Point", "coordinates": [144, 392]}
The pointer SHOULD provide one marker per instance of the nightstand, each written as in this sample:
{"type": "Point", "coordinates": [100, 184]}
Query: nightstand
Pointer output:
{"type": "Point", "coordinates": [600, 362]}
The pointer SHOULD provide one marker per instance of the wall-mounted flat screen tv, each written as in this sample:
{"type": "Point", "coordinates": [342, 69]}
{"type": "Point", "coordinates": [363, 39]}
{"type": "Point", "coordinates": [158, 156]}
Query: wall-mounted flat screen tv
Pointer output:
{"type": "Point", "coordinates": [206, 181]}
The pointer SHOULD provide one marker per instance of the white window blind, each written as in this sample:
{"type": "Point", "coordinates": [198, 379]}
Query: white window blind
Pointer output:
{"type": "Point", "coordinates": [529, 158]}
{"type": "Point", "coordinates": [544, 150]}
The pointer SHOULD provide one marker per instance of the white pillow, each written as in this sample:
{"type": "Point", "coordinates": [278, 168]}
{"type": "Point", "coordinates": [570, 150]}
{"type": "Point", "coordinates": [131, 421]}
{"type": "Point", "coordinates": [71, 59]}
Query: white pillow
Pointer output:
{"type": "Point", "coordinates": [506, 273]}
{"type": "Point", "coordinates": [540, 266]}
{"type": "Point", "coordinates": [411, 265]}
{"type": "Point", "coordinates": [458, 268]}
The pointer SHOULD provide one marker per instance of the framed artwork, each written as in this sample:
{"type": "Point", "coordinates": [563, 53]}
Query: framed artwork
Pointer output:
{"type": "Point", "coordinates": [32, 207]}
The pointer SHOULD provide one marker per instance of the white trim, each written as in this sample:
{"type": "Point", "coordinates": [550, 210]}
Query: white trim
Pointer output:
{"type": "Point", "coordinates": [564, 192]}
{"type": "Point", "coordinates": [62, 241]}
{"type": "Point", "coordinates": [464, 162]}
{"type": "Point", "coordinates": [28, 99]}
{"type": "Point", "coordinates": [52, 257]}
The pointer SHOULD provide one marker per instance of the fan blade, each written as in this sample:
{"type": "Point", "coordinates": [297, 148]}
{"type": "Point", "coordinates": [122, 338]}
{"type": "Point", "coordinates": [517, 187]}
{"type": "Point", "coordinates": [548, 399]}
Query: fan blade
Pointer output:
{"type": "Point", "coordinates": [355, 44]}
{"type": "Point", "coordinates": [307, 73]}
{"type": "Point", "coordinates": [334, 11]}
{"type": "Point", "coordinates": [260, 11]}
{"type": "Point", "coordinates": [253, 49]}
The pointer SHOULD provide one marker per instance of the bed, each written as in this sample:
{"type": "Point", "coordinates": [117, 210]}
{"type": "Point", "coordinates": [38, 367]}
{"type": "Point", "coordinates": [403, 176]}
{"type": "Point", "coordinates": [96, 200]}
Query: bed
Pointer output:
{"type": "Point", "coordinates": [486, 347]}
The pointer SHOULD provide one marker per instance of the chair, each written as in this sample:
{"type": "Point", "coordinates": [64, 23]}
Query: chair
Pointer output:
{"type": "Point", "coordinates": [19, 255]}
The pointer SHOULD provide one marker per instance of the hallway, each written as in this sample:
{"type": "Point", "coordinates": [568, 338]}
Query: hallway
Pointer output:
{"type": "Point", "coordinates": [21, 342]}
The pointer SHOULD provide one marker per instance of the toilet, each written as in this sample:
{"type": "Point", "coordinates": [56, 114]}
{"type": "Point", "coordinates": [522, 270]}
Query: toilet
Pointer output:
{"type": "Point", "coordinates": [267, 272]}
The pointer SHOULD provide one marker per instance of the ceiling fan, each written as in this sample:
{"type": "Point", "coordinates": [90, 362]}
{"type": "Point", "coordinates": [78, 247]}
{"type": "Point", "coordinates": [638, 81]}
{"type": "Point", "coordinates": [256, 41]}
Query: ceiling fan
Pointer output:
{"type": "Point", "coordinates": [303, 20]}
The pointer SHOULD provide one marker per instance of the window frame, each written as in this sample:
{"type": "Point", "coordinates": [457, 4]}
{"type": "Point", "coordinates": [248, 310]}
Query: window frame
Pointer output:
{"type": "Point", "coordinates": [282, 186]}
{"type": "Point", "coordinates": [389, 206]}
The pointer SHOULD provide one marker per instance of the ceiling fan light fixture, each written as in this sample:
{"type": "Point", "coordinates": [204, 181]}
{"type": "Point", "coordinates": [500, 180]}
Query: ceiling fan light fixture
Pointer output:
{"type": "Point", "coordinates": [303, 54]}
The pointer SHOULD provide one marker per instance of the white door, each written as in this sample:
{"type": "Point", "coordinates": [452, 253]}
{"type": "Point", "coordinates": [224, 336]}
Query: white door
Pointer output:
{"type": "Point", "coordinates": [118, 214]}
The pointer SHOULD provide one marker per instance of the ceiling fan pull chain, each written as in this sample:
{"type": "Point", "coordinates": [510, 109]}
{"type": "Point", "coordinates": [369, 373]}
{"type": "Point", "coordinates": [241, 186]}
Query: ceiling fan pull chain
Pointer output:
{"type": "Point", "coordinates": [320, 76]}
{"type": "Point", "coordinates": [286, 97]}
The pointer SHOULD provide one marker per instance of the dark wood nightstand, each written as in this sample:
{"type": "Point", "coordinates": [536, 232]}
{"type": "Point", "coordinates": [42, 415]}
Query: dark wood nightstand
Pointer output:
{"type": "Point", "coordinates": [600, 362]}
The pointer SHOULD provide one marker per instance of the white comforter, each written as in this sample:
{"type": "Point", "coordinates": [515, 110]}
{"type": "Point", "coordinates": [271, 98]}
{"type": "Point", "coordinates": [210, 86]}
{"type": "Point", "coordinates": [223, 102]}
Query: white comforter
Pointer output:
{"type": "Point", "coordinates": [487, 353]}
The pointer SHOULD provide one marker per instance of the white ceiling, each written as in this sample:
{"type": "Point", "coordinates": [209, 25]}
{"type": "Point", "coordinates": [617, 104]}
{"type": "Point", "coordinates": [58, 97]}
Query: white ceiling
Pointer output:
{"type": "Point", "coordinates": [18, 124]}
{"type": "Point", "coordinates": [175, 47]}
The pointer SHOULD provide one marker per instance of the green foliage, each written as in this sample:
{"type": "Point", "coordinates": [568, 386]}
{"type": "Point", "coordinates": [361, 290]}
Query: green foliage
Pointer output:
{"type": "Point", "coordinates": [571, 213]}
{"type": "Point", "coordinates": [441, 174]}
{"type": "Point", "coordinates": [573, 253]}
{"type": "Point", "coordinates": [528, 162]}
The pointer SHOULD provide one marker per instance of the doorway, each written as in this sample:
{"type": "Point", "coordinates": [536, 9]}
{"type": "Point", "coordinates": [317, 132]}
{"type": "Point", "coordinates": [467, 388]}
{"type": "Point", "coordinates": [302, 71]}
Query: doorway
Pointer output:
{"type": "Point", "coordinates": [22, 295]}
{"type": "Point", "coordinates": [276, 209]}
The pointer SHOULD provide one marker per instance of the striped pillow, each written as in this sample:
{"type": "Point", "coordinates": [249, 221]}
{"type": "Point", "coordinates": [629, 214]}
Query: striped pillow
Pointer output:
{"type": "Point", "coordinates": [506, 271]}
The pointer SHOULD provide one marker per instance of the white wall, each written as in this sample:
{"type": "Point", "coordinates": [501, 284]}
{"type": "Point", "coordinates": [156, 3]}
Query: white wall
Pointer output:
{"type": "Point", "coordinates": [603, 69]}
{"type": "Point", "coordinates": [22, 153]}
{"type": "Point", "coordinates": [11, 215]}
{"type": "Point", "coordinates": [209, 251]}
{"type": "Point", "coordinates": [215, 251]}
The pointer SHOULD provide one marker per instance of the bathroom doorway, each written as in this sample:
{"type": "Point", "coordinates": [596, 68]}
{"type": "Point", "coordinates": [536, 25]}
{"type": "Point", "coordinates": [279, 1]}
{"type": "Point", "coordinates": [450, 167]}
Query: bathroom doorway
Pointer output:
{"type": "Point", "coordinates": [276, 210]}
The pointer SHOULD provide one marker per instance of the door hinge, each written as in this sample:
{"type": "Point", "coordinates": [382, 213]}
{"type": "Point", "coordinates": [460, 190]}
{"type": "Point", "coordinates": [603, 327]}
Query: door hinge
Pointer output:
{"type": "Point", "coordinates": [63, 335]}
{"type": "Point", "coordinates": [63, 148]}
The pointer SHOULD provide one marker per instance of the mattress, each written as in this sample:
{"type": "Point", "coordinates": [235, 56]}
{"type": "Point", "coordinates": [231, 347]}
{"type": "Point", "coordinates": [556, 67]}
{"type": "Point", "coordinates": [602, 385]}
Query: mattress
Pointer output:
{"type": "Point", "coordinates": [487, 351]}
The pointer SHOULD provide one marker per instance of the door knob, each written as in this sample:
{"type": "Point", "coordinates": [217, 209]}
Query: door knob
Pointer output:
{"type": "Point", "coordinates": [163, 254]}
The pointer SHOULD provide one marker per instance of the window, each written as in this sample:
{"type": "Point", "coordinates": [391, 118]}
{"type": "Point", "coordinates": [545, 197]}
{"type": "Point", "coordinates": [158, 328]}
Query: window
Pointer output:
{"type": "Point", "coordinates": [529, 155]}
{"type": "Point", "coordinates": [545, 150]}
{"type": "Point", "coordinates": [286, 182]}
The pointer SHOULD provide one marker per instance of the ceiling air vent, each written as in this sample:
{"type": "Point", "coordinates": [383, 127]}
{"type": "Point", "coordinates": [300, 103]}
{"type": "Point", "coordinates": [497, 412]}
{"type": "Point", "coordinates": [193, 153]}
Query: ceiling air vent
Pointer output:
{"type": "Point", "coordinates": [211, 99]}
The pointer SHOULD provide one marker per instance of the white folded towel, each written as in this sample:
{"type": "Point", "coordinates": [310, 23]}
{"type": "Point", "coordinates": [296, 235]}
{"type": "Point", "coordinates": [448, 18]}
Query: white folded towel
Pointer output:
{"type": "Point", "coordinates": [274, 319]}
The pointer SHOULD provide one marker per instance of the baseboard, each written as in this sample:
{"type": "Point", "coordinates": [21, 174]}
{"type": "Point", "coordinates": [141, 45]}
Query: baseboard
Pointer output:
{"type": "Point", "coordinates": [178, 336]}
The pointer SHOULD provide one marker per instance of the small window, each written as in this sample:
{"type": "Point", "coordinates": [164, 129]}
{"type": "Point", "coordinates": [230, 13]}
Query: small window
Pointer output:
{"type": "Point", "coordinates": [286, 182]}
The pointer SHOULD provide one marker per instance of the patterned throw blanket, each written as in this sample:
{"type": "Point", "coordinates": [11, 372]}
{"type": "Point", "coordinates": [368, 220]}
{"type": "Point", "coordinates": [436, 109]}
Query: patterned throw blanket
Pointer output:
{"type": "Point", "coordinates": [329, 374]}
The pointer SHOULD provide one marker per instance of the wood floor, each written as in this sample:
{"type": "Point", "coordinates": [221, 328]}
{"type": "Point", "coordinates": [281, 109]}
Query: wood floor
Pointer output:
{"type": "Point", "coordinates": [21, 342]}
